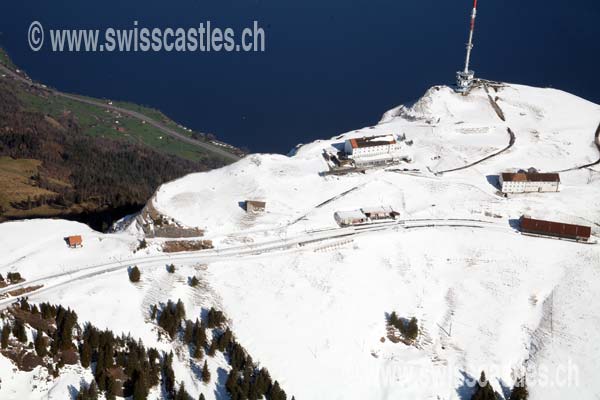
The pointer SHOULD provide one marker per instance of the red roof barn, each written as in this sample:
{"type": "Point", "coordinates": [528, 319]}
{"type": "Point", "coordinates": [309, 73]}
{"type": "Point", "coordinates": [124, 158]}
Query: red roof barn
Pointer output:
{"type": "Point", "coordinates": [556, 229]}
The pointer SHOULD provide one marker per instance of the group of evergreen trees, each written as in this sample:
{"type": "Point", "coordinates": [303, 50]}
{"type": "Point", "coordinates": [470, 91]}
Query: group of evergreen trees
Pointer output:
{"type": "Point", "coordinates": [520, 391]}
{"type": "Point", "coordinates": [88, 392]}
{"type": "Point", "coordinates": [216, 318]}
{"type": "Point", "coordinates": [122, 366]}
{"type": "Point", "coordinates": [19, 331]}
{"type": "Point", "coordinates": [484, 390]}
{"type": "Point", "coordinates": [194, 335]}
{"type": "Point", "coordinates": [170, 317]}
{"type": "Point", "coordinates": [112, 355]}
{"type": "Point", "coordinates": [60, 337]}
{"type": "Point", "coordinates": [246, 381]}
{"type": "Point", "coordinates": [11, 277]}
{"type": "Point", "coordinates": [409, 330]}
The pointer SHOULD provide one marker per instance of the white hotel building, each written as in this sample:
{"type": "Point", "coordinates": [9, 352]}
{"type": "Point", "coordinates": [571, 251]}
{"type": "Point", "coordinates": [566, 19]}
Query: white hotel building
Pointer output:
{"type": "Point", "coordinates": [529, 182]}
{"type": "Point", "coordinates": [373, 150]}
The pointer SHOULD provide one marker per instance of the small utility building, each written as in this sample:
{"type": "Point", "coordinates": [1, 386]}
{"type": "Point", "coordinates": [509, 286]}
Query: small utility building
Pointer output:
{"type": "Point", "coordinates": [364, 215]}
{"type": "Point", "coordinates": [345, 218]}
{"type": "Point", "coordinates": [525, 182]}
{"type": "Point", "coordinates": [253, 206]}
{"type": "Point", "coordinates": [74, 241]}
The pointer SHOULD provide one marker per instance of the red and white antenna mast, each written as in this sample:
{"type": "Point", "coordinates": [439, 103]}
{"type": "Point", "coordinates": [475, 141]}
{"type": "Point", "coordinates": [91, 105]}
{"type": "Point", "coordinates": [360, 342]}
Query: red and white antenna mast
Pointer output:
{"type": "Point", "coordinates": [464, 79]}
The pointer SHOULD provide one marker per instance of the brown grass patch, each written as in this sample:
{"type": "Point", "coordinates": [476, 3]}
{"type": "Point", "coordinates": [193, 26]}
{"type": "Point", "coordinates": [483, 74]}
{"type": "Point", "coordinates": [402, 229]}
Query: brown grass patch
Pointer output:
{"type": "Point", "coordinates": [16, 182]}
{"type": "Point", "coordinates": [22, 291]}
{"type": "Point", "coordinates": [69, 357]}
{"type": "Point", "coordinates": [175, 246]}
{"type": "Point", "coordinates": [25, 360]}
{"type": "Point", "coordinates": [34, 320]}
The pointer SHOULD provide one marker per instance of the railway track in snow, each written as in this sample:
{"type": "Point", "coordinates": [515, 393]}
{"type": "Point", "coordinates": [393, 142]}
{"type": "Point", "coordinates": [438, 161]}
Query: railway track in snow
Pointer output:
{"type": "Point", "coordinates": [297, 243]}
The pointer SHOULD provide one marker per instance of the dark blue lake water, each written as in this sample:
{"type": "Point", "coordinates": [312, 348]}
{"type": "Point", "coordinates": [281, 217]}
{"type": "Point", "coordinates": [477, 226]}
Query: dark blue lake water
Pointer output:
{"type": "Point", "coordinates": [328, 67]}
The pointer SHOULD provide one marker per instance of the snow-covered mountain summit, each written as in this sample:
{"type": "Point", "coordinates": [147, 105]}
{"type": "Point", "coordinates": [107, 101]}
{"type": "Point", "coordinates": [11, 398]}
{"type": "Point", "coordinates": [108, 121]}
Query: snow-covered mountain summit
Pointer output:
{"type": "Point", "coordinates": [311, 299]}
{"type": "Point", "coordinates": [553, 131]}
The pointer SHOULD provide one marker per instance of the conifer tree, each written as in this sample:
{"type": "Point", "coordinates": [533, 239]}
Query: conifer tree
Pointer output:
{"type": "Point", "coordinates": [134, 274]}
{"type": "Point", "coordinates": [153, 367]}
{"type": "Point", "coordinates": [24, 304]}
{"type": "Point", "coordinates": [224, 340]}
{"type": "Point", "coordinates": [92, 391]}
{"type": "Point", "coordinates": [483, 390]}
{"type": "Point", "coordinates": [276, 393]}
{"type": "Point", "coordinates": [111, 388]}
{"type": "Point", "coordinates": [140, 386]}
{"type": "Point", "coordinates": [85, 354]}
{"type": "Point", "coordinates": [180, 310]}
{"type": "Point", "coordinates": [40, 343]}
{"type": "Point", "coordinates": [46, 311]}
{"type": "Point", "coordinates": [200, 339]}
{"type": "Point", "coordinates": [89, 392]}
{"type": "Point", "coordinates": [5, 335]}
{"type": "Point", "coordinates": [205, 373]}
{"type": "Point", "coordinates": [520, 391]}
{"type": "Point", "coordinates": [19, 331]}
{"type": "Point", "coordinates": [201, 397]}
{"type": "Point", "coordinates": [393, 320]}
{"type": "Point", "coordinates": [188, 333]}
{"type": "Point", "coordinates": [212, 349]}
{"type": "Point", "coordinates": [198, 352]}
{"type": "Point", "coordinates": [262, 382]}
{"type": "Point", "coordinates": [232, 382]}
{"type": "Point", "coordinates": [82, 394]}
{"type": "Point", "coordinates": [412, 331]}
{"type": "Point", "coordinates": [65, 322]}
{"type": "Point", "coordinates": [169, 375]}
{"type": "Point", "coordinates": [182, 394]}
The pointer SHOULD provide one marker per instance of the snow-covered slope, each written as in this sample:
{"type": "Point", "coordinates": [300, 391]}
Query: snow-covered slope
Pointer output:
{"type": "Point", "coordinates": [309, 299]}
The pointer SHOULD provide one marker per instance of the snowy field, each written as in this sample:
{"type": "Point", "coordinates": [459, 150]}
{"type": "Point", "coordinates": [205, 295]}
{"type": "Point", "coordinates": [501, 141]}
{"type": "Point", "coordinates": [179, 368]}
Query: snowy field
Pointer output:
{"type": "Point", "coordinates": [309, 300]}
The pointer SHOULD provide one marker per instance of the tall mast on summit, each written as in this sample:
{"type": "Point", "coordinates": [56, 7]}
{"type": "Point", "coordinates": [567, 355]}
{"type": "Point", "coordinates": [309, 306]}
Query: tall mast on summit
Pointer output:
{"type": "Point", "coordinates": [464, 79]}
{"type": "Point", "coordinates": [470, 44]}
